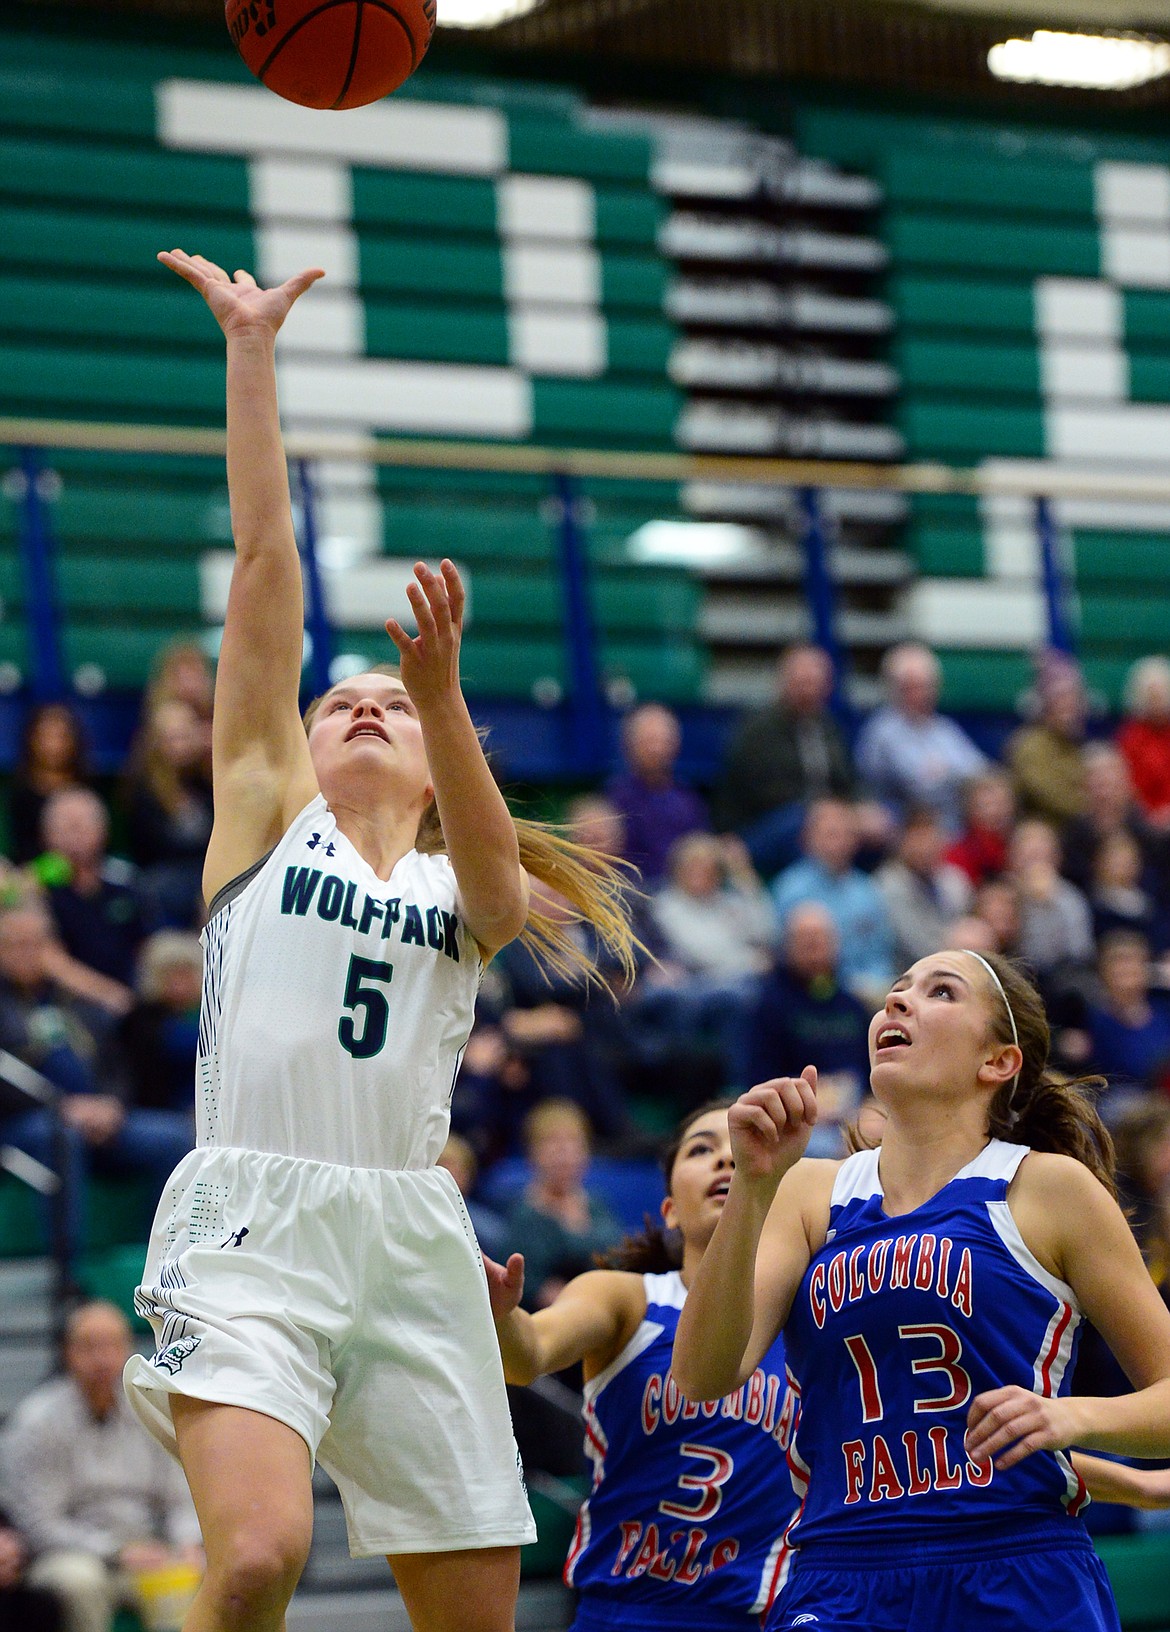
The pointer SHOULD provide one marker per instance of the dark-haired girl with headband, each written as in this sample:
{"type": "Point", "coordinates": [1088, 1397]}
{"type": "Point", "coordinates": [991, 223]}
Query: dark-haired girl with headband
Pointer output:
{"type": "Point", "coordinates": [685, 1521]}
{"type": "Point", "coordinates": [930, 1295]}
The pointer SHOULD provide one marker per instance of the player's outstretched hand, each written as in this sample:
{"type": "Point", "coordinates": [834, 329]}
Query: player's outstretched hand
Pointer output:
{"type": "Point", "coordinates": [430, 662]}
{"type": "Point", "coordinates": [238, 303]}
{"type": "Point", "coordinates": [1007, 1424]}
{"type": "Point", "coordinates": [771, 1124]}
{"type": "Point", "coordinates": [505, 1284]}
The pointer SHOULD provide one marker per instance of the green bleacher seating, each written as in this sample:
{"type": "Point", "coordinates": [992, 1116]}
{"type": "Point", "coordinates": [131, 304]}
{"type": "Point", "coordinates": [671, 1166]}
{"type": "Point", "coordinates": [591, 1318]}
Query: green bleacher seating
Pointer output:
{"type": "Point", "coordinates": [1139, 1572]}
{"type": "Point", "coordinates": [432, 272]}
{"type": "Point", "coordinates": [996, 234]}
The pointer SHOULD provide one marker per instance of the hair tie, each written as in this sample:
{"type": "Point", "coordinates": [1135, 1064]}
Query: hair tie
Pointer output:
{"type": "Point", "coordinates": [1011, 1017]}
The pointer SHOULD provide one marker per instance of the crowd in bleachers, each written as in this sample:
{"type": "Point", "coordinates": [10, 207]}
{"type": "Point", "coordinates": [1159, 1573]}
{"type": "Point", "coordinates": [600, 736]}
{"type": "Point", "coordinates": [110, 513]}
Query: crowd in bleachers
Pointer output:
{"type": "Point", "coordinates": [773, 909]}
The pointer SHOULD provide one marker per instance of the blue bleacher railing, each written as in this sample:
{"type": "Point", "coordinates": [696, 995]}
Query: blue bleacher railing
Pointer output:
{"type": "Point", "coordinates": [820, 590]}
{"type": "Point", "coordinates": [1058, 577]}
{"type": "Point", "coordinates": [317, 624]}
{"type": "Point", "coordinates": [586, 748]}
{"type": "Point", "coordinates": [46, 674]}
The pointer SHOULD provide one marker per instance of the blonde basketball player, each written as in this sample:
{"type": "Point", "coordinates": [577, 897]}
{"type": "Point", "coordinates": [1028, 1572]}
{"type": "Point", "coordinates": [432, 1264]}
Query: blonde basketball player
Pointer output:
{"type": "Point", "coordinates": [313, 1281]}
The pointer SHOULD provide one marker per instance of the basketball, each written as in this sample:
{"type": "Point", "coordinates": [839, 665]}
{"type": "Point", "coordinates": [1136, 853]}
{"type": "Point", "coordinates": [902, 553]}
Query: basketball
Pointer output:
{"type": "Point", "coordinates": [336, 54]}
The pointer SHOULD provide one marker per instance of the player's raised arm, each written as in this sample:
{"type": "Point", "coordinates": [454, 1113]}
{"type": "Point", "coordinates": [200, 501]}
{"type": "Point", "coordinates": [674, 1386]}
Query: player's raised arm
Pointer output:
{"type": "Point", "coordinates": [478, 830]}
{"type": "Point", "coordinates": [744, 1287]}
{"type": "Point", "coordinates": [261, 766]}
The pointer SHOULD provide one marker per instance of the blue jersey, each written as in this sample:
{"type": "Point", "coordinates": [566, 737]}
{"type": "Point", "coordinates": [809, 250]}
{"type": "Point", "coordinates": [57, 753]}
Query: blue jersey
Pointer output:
{"type": "Point", "coordinates": [898, 1324]}
{"type": "Point", "coordinates": [685, 1522]}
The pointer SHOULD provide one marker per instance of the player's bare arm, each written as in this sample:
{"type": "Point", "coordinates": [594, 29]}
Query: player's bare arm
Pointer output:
{"type": "Point", "coordinates": [1106, 1481]}
{"type": "Point", "coordinates": [260, 759]}
{"type": "Point", "coordinates": [592, 1320]}
{"type": "Point", "coordinates": [477, 826]}
{"type": "Point", "coordinates": [1079, 1233]}
{"type": "Point", "coordinates": [732, 1309]}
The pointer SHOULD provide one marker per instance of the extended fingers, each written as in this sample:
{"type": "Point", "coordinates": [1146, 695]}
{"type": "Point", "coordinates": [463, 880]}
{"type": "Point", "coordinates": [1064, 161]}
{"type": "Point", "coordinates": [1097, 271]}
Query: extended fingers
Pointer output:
{"type": "Point", "coordinates": [456, 594]}
{"type": "Point", "coordinates": [434, 587]}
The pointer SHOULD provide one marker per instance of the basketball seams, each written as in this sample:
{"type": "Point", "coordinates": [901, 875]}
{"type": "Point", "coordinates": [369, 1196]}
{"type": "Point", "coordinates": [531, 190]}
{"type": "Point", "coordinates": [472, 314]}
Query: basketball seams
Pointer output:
{"type": "Point", "coordinates": [332, 5]}
{"type": "Point", "coordinates": [353, 56]}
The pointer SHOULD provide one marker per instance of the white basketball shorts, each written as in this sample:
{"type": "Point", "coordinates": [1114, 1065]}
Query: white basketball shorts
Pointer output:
{"type": "Point", "coordinates": [350, 1304]}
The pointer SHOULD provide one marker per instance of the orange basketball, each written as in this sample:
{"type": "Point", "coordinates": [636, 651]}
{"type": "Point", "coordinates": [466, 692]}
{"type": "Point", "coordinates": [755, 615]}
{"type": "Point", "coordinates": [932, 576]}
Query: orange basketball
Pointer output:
{"type": "Point", "coordinates": [331, 53]}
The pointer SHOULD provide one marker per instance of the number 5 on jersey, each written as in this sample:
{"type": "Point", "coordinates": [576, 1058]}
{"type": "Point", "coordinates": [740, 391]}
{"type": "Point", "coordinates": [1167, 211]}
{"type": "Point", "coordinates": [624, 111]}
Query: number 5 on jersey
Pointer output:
{"type": "Point", "coordinates": [366, 998]}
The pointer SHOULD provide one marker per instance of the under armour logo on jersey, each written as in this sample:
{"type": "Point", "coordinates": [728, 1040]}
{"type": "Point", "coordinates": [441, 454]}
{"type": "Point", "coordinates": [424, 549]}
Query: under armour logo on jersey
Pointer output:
{"type": "Point", "coordinates": [235, 1239]}
{"type": "Point", "coordinates": [330, 848]}
{"type": "Point", "coordinates": [830, 1235]}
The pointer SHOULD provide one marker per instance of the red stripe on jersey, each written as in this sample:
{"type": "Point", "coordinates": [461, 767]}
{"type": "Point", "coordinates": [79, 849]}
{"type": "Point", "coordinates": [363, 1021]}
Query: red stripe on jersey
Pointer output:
{"type": "Point", "coordinates": [1054, 1349]}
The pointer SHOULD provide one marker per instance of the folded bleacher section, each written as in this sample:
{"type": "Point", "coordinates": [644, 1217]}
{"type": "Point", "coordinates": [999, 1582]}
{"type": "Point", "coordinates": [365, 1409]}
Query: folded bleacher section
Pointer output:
{"type": "Point", "coordinates": [503, 264]}
{"type": "Point", "coordinates": [1030, 275]}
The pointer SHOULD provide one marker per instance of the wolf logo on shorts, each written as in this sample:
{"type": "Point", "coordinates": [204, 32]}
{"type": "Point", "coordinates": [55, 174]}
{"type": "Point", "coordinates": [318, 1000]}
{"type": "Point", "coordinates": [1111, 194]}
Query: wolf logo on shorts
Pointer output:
{"type": "Point", "coordinates": [172, 1357]}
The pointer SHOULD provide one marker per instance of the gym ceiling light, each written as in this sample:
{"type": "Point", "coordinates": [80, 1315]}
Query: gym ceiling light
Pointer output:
{"type": "Point", "coordinates": [1100, 62]}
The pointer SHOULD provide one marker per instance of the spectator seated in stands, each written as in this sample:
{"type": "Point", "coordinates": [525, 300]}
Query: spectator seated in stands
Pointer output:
{"type": "Point", "coordinates": [68, 1041]}
{"type": "Point", "coordinates": [52, 757]}
{"type": "Point", "coordinates": [802, 1015]}
{"type": "Point", "coordinates": [655, 809]}
{"type": "Point", "coordinates": [1110, 809]}
{"type": "Point", "coordinates": [458, 1158]}
{"type": "Point", "coordinates": [997, 907]}
{"type": "Point", "coordinates": [1141, 1139]}
{"type": "Point", "coordinates": [717, 930]}
{"type": "Point", "coordinates": [493, 1090]}
{"type": "Point", "coordinates": [1056, 926]}
{"type": "Point", "coordinates": [781, 758]}
{"type": "Point", "coordinates": [183, 673]}
{"type": "Point", "coordinates": [99, 1499]}
{"type": "Point", "coordinates": [1116, 894]}
{"type": "Point", "coordinates": [907, 752]}
{"type": "Point", "coordinates": [169, 813]}
{"type": "Point", "coordinates": [826, 874]}
{"type": "Point", "coordinates": [159, 1037]}
{"type": "Point", "coordinates": [1047, 757]}
{"type": "Point", "coordinates": [989, 814]}
{"type": "Point", "coordinates": [92, 896]}
{"type": "Point", "coordinates": [714, 915]}
{"type": "Point", "coordinates": [1128, 1026]}
{"type": "Point", "coordinates": [23, 1608]}
{"type": "Point", "coordinates": [556, 1223]}
{"type": "Point", "coordinates": [1143, 737]}
{"type": "Point", "coordinates": [923, 893]}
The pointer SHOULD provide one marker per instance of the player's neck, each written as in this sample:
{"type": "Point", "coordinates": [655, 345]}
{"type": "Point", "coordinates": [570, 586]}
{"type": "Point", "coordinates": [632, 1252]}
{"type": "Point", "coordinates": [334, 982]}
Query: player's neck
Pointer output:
{"type": "Point", "coordinates": [920, 1156]}
{"type": "Point", "coordinates": [380, 837]}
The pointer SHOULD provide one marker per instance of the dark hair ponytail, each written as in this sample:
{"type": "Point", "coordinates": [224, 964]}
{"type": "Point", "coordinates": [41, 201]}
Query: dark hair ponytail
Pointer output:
{"type": "Point", "coordinates": [1040, 1108]}
{"type": "Point", "coordinates": [655, 1250]}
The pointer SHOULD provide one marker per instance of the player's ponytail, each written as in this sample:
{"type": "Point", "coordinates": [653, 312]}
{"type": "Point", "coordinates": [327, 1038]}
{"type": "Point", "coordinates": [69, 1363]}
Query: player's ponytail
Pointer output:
{"type": "Point", "coordinates": [590, 888]}
{"type": "Point", "coordinates": [1040, 1108]}
{"type": "Point", "coordinates": [655, 1250]}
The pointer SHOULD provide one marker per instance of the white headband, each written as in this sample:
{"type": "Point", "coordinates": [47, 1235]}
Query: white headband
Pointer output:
{"type": "Point", "coordinates": [999, 988]}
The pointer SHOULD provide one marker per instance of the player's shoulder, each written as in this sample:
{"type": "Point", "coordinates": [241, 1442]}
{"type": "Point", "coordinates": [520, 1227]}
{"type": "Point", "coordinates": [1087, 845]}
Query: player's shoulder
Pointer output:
{"type": "Point", "coordinates": [619, 1290]}
{"type": "Point", "coordinates": [1060, 1179]}
{"type": "Point", "coordinates": [813, 1177]}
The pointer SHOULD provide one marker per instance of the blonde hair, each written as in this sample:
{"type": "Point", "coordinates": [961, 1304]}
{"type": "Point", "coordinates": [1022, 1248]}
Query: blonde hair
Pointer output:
{"type": "Point", "coordinates": [595, 887]}
{"type": "Point", "coordinates": [551, 1114]}
{"type": "Point", "coordinates": [165, 949]}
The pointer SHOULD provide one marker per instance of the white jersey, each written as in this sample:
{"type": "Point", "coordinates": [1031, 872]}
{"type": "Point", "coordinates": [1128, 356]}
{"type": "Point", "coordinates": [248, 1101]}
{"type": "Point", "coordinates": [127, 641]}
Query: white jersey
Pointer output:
{"type": "Point", "coordinates": [336, 1005]}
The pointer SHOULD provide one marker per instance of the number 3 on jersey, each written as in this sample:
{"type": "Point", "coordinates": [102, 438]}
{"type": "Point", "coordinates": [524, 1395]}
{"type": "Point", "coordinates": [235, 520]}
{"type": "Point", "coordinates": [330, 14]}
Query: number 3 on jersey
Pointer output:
{"type": "Point", "coordinates": [373, 1004]}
